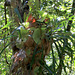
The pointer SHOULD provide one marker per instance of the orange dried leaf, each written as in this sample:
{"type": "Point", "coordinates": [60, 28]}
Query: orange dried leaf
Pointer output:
{"type": "Point", "coordinates": [34, 20]}
{"type": "Point", "coordinates": [30, 18]}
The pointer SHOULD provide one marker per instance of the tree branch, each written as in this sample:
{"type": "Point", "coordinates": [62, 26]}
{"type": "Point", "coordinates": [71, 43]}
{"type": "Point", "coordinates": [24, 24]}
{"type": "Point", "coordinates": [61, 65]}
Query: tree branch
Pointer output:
{"type": "Point", "coordinates": [7, 2]}
{"type": "Point", "coordinates": [72, 13]}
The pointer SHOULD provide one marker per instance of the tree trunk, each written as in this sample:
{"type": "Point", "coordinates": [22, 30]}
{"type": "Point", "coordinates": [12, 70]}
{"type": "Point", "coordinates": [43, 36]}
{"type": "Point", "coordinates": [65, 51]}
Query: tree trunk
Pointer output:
{"type": "Point", "coordinates": [25, 59]}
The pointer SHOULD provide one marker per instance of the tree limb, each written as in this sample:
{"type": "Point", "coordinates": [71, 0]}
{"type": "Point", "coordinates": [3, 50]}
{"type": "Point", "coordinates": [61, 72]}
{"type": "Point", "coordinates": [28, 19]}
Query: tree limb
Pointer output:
{"type": "Point", "coordinates": [72, 13]}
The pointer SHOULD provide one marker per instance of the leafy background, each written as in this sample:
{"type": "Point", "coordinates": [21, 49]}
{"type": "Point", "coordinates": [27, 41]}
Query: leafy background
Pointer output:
{"type": "Point", "coordinates": [62, 54]}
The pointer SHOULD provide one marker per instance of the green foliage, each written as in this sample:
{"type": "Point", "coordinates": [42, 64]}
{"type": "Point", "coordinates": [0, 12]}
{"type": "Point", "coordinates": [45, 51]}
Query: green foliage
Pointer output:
{"type": "Point", "coordinates": [37, 35]}
{"type": "Point", "coordinates": [18, 14]}
{"type": "Point", "coordinates": [62, 55]}
{"type": "Point", "coordinates": [36, 70]}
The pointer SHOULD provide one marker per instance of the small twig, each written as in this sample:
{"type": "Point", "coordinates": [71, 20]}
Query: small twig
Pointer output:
{"type": "Point", "coordinates": [5, 14]}
{"type": "Point", "coordinates": [5, 31]}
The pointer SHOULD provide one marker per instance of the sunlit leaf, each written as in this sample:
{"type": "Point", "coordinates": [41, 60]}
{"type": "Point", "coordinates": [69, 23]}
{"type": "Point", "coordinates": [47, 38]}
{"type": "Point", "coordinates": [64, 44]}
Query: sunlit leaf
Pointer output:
{"type": "Point", "coordinates": [7, 25]}
{"type": "Point", "coordinates": [37, 35]}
